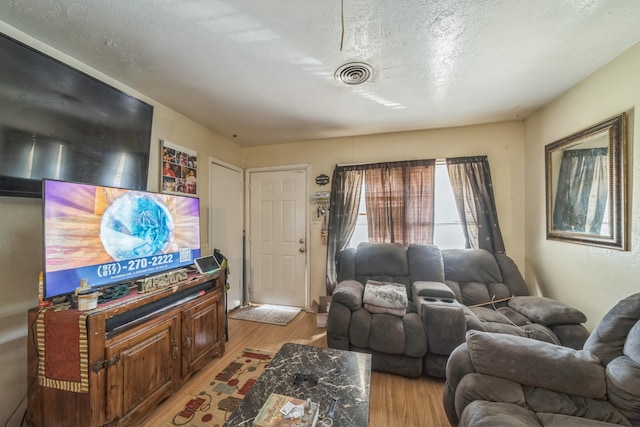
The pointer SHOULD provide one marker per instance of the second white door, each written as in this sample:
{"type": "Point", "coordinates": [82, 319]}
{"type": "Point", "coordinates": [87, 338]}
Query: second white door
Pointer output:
{"type": "Point", "coordinates": [278, 237]}
{"type": "Point", "coordinates": [226, 224]}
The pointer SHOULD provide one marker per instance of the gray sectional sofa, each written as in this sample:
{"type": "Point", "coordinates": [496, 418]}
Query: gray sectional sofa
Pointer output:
{"type": "Point", "coordinates": [449, 292]}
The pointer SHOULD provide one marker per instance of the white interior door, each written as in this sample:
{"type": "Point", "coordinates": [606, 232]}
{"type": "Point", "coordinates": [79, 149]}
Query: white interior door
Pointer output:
{"type": "Point", "coordinates": [278, 237]}
{"type": "Point", "coordinates": [226, 228]}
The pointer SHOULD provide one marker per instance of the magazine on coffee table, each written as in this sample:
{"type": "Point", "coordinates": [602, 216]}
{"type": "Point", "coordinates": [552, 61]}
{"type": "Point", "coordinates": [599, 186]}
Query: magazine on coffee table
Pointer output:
{"type": "Point", "coordinates": [286, 411]}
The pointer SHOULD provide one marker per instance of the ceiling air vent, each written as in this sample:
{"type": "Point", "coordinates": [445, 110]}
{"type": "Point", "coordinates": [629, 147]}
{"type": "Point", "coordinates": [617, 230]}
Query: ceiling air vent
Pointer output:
{"type": "Point", "coordinates": [354, 73]}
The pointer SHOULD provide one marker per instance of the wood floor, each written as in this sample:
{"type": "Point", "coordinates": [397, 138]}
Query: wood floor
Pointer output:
{"type": "Point", "coordinates": [394, 401]}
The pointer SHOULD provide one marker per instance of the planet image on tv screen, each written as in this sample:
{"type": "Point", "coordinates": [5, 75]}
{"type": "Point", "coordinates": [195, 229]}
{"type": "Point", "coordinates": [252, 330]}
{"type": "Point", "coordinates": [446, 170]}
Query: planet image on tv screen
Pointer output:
{"type": "Point", "coordinates": [136, 225]}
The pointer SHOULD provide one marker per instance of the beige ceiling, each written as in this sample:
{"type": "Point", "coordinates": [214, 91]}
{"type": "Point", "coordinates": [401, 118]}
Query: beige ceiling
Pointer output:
{"type": "Point", "coordinates": [262, 71]}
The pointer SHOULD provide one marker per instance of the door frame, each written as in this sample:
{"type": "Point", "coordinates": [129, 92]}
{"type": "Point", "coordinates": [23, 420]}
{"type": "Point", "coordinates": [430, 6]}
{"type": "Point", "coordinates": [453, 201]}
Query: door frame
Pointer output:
{"type": "Point", "coordinates": [247, 193]}
{"type": "Point", "coordinates": [243, 293]}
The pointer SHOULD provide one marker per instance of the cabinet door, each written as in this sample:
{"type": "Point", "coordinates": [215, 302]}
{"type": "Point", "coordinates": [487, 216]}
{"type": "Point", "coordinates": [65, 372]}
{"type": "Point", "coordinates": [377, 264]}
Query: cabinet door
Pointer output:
{"type": "Point", "coordinates": [202, 332]}
{"type": "Point", "coordinates": [144, 369]}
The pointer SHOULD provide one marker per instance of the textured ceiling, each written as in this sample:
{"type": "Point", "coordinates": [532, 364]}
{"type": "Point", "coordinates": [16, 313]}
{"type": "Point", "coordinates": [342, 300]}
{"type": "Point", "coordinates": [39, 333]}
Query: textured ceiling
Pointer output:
{"type": "Point", "coordinates": [262, 71]}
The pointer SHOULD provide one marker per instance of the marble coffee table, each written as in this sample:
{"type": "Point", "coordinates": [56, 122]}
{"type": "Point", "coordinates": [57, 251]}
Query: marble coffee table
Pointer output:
{"type": "Point", "coordinates": [340, 374]}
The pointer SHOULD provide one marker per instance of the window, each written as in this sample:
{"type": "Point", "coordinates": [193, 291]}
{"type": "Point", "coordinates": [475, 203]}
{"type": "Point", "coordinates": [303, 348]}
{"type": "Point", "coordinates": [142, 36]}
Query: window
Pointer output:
{"type": "Point", "coordinates": [447, 229]}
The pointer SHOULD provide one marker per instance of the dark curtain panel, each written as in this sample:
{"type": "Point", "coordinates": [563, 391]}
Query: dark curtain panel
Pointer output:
{"type": "Point", "coordinates": [473, 192]}
{"type": "Point", "coordinates": [399, 197]}
{"type": "Point", "coordinates": [346, 186]}
{"type": "Point", "coordinates": [574, 208]}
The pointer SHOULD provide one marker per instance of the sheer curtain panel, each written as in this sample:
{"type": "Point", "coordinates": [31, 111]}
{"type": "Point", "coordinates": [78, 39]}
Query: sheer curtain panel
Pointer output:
{"type": "Point", "coordinates": [346, 188]}
{"type": "Point", "coordinates": [473, 192]}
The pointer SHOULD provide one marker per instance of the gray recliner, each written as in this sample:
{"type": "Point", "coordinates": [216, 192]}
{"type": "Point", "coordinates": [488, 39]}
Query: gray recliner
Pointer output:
{"type": "Point", "coordinates": [397, 343]}
{"type": "Point", "coordinates": [506, 380]}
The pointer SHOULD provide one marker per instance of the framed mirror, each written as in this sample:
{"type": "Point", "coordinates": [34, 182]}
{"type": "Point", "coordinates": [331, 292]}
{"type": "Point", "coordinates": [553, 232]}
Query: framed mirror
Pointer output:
{"type": "Point", "coordinates": [586, 180]}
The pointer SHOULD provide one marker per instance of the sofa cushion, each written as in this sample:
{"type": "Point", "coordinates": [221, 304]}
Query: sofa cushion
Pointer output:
{"type": "Point", "coordinates": [470, 265]}
{"type": "Point", "coordinates": [632, 344]}
{"type": "Point", "coordinates": [360, 328]}
{"type": "Point", "coordinates": [374, 309]}
{"type": "Point", "coordinates": [425, 263]}
{"type": "Point", "coordinates": [416, 339]}
{"type": "Point", "coordinates": [482, 413]}
{"type": "Point", "coordinates": [608, 338]}
{"type": "Point", "coordinates": [546, 311]}
{"type": "Point", "coordinates": [349, 294]}
{"type": "Point", "coordinates": [623, 387]}
{"type": "Point", "coordinates": [474, 293]}
{"type": "Point", "coordinates": [553, 402]}
{"type": "Point", "coordinates": [572, 336]}
{"type": "Point", "coordinates": [381, 259]}
{"type": "Point", "coordinates": [387, 334]}
{"type": "Point", "coordinates": [487, 314]}
{"type": "Point", "coordinates": [514, 316]}
{"type": "Point", "coordinates": [537, 364]}
{"type": "Point", "coordinates": [346, 265]}
{"type": "Point", "coordinates": [559, 420]}
{"type": "Point", "coordinates": [511, 275]}
{"type": "Point", "coordinates": [474, 386]}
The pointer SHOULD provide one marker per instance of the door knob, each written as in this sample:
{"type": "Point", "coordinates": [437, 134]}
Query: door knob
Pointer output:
{"type": "Point", "coordinates": [301, 250]}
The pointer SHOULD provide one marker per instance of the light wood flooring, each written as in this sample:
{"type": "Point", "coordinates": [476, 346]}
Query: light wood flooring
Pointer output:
{"type": "Point", "coordinates": [394, 401]}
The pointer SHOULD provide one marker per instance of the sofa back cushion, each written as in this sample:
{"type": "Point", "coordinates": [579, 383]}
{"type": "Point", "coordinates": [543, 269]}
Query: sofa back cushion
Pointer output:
{"type": "Point", "coordinates": [381, 259]}
{"type": "Point", "coordinates": [537, 364]}
{"type": "Point", "coordinates": [382, 262]}
{"type": "Point", "coordinates": [607, 341]}
{"type": "Point", "coordinates": [473, 275]}
{"type": "Point", "coordinates": [511, 275]}
{"type": "Point", "coordinates": [632, 346]}
{"type": "Point", "coordinates": [425, 263]}
{"type": "Point", "coordinates": [476, 276]}
{"type": "Point", "coordinates": [470, 265]}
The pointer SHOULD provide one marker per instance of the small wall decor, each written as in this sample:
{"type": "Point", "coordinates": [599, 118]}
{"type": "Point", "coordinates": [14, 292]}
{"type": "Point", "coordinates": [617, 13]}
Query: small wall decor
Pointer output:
{"type": "Point", "coordinates": [322, 179]}
{"type": "Point", "coordinates": [321, 201]}
{"type": "Point", "coordinates": [179, 169]}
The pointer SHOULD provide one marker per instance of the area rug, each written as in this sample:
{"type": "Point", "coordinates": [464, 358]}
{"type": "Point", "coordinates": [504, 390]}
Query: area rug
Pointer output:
{"type": "Point", "coordinates": [266, 313]}
{"type": "Point", "coordinates": [215, 403]}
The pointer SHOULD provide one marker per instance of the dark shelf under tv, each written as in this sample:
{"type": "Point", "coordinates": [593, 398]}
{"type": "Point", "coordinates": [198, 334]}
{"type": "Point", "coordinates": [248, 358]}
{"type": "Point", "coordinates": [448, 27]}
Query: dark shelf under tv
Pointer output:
{"type": "Point", "coordinates": [155, 343]}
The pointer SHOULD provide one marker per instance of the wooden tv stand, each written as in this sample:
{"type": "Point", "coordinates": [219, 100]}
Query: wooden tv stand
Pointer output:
{"type": "Point", "coordinates": [137, 352]}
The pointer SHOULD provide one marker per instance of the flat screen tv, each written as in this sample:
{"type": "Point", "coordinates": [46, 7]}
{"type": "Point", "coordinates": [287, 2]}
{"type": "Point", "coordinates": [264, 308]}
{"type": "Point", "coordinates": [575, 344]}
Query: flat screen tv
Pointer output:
{"type": "Point", "coordinates": [111, 235]}
{"type": "Point", "coordinates": [57, 122]}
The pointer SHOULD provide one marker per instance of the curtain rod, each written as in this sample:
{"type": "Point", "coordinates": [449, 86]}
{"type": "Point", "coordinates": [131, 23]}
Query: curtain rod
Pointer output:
{"type": "Point", "coordinates": [438, 160]}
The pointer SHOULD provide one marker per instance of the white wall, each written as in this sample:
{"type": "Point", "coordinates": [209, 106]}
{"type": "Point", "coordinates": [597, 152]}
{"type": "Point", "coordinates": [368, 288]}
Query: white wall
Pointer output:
{"type": "Point", "coordinates": [503, 143]}
{"type": "Point", "coordinates": [590, 278]}
{"type": "Point", "coordinates": [21, 230]}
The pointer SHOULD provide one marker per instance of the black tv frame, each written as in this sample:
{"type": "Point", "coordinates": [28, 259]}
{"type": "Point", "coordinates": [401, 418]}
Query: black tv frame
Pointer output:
{"type": "Point", "coordinates": [92, 117]}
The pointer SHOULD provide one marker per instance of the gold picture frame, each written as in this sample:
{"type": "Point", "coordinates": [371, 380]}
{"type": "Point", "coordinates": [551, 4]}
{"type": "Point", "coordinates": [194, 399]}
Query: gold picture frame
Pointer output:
{"type": "Point", "coordinates": [586, 186]}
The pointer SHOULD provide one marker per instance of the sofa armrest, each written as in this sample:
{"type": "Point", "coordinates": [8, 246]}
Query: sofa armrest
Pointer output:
{"type": "Point", "coordinates": [546, 311]}
{"type": "Point", "coordinates": [444, 323]}
{"type": "Point", "coordinates": [349, 293]}
{"type": "Point", "coordinates": [431, 289]}
{"type": "Point", "coordinates": [537, 364]}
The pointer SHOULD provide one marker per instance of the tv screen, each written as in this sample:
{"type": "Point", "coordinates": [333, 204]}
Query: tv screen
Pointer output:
{"type": "Point", "coordinates": [111, 235]}
{"type": "Point", "coordinates": [57, 122]}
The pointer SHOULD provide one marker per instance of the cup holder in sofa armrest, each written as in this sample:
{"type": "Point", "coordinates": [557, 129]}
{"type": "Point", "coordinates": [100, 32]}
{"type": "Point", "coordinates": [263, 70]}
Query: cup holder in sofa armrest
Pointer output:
{"type": "Point", "coordinates": [421, 302]}
{"type": "Point", "coordinates": [444, 300]}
